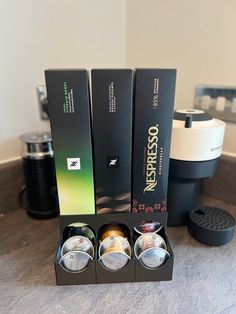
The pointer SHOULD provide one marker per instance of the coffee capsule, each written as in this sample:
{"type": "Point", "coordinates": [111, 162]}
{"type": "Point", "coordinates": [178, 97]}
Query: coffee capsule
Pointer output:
{"type": "Point", "coordinates": [114, 253]}
{"type": "Point", "coordinates": [78, 243]}
{"type": "Point", "coordinates": [113, 230]}
{"type": "Point", "coordinates": [154, 257]}
{"type": "Point", "coordinates": [146, 241]}
{"type": "Point", "coordinates": [83, 230]}
{"type": "Point", "coordinates": [148, 227]}
{"type": "Point", "coordinates": [75, 261]}
{"type": "Point", "coordinates": [114, 261]}
{"type": "Point", "coordinates": [151, 250]}
{"type": "Point", "coordinates": [117, 242]}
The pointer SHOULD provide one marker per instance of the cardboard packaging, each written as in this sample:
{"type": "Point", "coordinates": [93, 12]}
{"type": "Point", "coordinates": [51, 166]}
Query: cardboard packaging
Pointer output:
{"type": "Point", "coordinates": [153, 113]}
{"type": "Point", "coordinates": [112, 133]}
{"type": "Point", "coordinates": [69, 111]}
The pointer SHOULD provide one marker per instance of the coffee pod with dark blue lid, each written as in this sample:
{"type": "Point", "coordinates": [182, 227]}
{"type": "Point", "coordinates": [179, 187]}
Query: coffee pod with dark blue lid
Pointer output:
{"type": "Point", "coordinates": [211, 226]}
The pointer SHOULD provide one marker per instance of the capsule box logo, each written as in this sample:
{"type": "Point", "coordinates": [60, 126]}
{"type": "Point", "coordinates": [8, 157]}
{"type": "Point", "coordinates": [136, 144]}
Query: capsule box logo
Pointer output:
{"type": "Point", "coordinates": [73, 164]}
{"type": "Point", "coordinates": [113, 162]}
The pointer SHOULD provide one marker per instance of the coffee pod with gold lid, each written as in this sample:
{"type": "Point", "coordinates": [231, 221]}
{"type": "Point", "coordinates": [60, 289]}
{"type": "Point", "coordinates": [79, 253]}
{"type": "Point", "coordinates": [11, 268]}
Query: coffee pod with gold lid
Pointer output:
{"type": "Point", "coordinates": [114, 253]}
{"type": "Point", "coordinates": [113, 230]}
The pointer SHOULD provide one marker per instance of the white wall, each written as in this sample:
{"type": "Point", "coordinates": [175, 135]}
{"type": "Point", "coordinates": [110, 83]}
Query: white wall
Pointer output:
{"type": "Point", "coordinates": [35, 35]}
{"type": "Point", "coordinates": [196, 37]}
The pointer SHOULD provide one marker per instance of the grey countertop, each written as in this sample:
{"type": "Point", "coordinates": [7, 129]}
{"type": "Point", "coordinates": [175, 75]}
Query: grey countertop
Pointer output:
{"type": "Point", "coordinates": [204, 277]}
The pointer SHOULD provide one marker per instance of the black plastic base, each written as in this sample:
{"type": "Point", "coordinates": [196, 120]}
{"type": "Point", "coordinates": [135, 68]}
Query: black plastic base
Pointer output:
{"type": "Point", "coordinates": [133, 271]}
{"type": "Point", "coordinates": [211, 226]}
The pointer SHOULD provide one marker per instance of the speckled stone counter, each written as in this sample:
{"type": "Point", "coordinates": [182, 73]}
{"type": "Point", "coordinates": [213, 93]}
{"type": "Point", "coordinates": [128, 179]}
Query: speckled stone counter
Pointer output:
{"type": "Point", "coordinates": [204, 277]}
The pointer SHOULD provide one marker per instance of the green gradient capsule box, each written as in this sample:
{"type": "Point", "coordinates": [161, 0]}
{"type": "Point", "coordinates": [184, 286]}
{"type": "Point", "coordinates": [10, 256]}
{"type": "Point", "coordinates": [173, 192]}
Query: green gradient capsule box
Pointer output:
{"type": "Point", "coordinates": [69, 111]}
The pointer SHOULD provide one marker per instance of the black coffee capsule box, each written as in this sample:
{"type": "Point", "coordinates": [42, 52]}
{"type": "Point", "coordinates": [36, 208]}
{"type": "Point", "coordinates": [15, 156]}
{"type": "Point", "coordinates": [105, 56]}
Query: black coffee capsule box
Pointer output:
{"type": "Point", "coordinates": [95, 272]}
{"type": "Point", "coordinates": [112, 91]}
{"type": "Point", "coordinates": [154, 92]}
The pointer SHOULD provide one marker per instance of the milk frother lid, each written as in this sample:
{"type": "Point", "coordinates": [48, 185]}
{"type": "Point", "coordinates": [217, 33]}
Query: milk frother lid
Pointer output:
{"type": "Point", "coordinates": [36, 137]}
{"type": "Point", "coordinates": [36, 145]}
{"type": "Point", "coordinates": [210, 225]}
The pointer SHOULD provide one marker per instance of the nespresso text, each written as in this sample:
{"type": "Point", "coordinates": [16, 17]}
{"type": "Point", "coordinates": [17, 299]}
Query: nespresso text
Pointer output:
{"type": "Point", "coordinates": [151, 159]}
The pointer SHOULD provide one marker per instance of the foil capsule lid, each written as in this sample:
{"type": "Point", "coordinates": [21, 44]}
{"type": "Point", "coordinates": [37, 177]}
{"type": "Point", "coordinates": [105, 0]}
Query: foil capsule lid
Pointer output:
{"type": "Point", "coordinates": [75, 261]}
{"type": "Point", "coordinates": [118, 242]}
{"type": "Point", "coordinates": [153, 258]}
{"type": "Point", "coordinates": [114, 253]}
{"type": "Point", "coordinates": [148, 240]}
{"type": "Point", "coordinates": [78, 243]}
{"type": "Point", "coordinates": [114, 260]}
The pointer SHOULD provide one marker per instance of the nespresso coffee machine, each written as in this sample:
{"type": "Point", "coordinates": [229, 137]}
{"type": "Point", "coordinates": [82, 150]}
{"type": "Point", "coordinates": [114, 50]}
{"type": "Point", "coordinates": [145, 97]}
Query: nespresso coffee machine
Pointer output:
{"type": "Point", "coordinates": [196, 146]}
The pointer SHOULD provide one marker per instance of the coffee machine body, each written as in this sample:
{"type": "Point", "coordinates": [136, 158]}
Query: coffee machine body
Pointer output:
{"type": "Point", "coordinates": [196, 146]}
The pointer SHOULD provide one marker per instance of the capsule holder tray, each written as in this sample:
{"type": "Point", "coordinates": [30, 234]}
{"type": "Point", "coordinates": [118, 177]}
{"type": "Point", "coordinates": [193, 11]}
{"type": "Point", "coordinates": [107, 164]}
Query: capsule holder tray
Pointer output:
{"type": "Point", "coordinates": [95, 272]}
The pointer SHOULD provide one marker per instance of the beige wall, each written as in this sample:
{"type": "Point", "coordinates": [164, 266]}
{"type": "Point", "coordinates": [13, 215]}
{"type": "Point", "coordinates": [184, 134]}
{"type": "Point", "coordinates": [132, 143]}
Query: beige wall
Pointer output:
{"type": "Point", "coordinates": [35, 35]}
{"type": "Point", "coordinates": [196, 37]}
